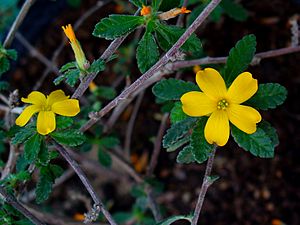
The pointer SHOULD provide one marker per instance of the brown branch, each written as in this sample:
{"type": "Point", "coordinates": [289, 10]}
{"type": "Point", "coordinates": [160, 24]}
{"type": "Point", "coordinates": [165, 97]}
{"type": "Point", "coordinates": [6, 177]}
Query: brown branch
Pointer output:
{"type": "Point", "coordinates": [9, 199]}
{"type": "Point", "coordinates": [155, 68]}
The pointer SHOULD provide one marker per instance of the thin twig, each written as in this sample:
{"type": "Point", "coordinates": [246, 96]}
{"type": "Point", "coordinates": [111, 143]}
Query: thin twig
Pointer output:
{"type": "Point", "coordinates": [155, 68]}
{"type": "Point", "coordinates": [85, 182]}
{"type": "Point", "coordinates": [14, 203]}
{"type": "Point", "coordinates": [207, 181]}
{"type": "Point", "coordinates": [18, 21]}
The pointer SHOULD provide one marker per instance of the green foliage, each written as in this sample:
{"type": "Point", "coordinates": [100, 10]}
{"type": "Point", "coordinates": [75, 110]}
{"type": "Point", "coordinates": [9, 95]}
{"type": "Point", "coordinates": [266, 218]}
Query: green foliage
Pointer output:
{"type": "Point", "coordinates": [186, 155]}
{"type": "Point", "coordinates": [234, 10]}
{"type": "Point", "coordinates": [270, 131]}
{"type": "Point", "coordinates": [97, 66]}
{"type": "Point", "coordinates": [8, 12]}
{"type": "Point", "coordinates": [177, 113]}
{"type": "Point", "coordinates": [104, 157]}
{"type": "Point", "coordinates": [23, 134]}
{"type": "Point", "coordinates": [166, 37]}
{"type": "Point", "coordinates": [239, 58]}
{"type": "Point", "coordinates": [70, 137]}
{"type": "Point", "coordinates": [10, 216]}
{"type": "Point", "coordinates": [5, 56]}
{"type": "Point", "coordinates": [169, 4]}
{"type": "Point", "coordinates": [173, 219]}
{"type": "Point", "coordinates": [104, 144]}
{"type": "Point", "coordinates": [173, 89]}
{"type": "Point", "coordinates": [147, 52]}
{"type": "Point", "coordinates": [116, 26]}
{"type": "Point", "coordinates": [43, 156]}
{"type": "Point", "coordinates": [258, 144]}
{"type": "Point", "coordinates": [68, 66]}
{"type": "Point", "coordinates": [177, 131]}
{"type": "Point", "coordinates": [268, 96]}
{"type": "Point", "coordinates": [12, 179]}
{"type": "Point", "coordinates": [138, 3]}
{"type": "Point", "coordinates": [179, 143]}
{"type": "Point", "coordinates": [48, 174]}
{"type": "Point", "coordinates": [70, 76]}
{"type": "Point", "coordinates": [32, 147]}
{"type": "Point", "coordinates": [63, 122]}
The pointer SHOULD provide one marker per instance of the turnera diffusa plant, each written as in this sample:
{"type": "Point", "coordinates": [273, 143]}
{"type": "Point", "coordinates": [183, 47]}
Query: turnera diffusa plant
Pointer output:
{"type": "Point", "coordinates": [225, 102]}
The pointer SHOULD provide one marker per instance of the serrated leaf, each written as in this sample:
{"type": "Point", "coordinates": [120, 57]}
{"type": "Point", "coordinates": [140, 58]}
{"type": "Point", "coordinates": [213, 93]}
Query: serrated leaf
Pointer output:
{"type": "Point", "coordinates": [22, 163]}
{"type": "Point", "coordinates": [186, 155]}
{"type": "Point", "coordinates": [12, 54]}
{"type": "Point", "coordinates": [166, 37]}
{"type": "Point", "coordinates": [104, 92]}
{"type": "Point", "coordinates": [67, 66]}
{"type": "Point", "coordinates": [258, 143]}
{"type": "Point", "coordinates": [270, 131]}
{"type": "Point", "coordinates": [156, 4]}
{"type": "Point", "coordinates": [56, 171]}
{"type": "Point", "coordinates": [68, 137]}
{"type": "Point", "coordinates": [59, 79]}
{"type": "Point", "coordinates": [109, 142]}
{"type": "Point", "coordinates": [43, 156]}
{"type": "Point", "coordinates": [63, 122]}
{"type": "Point", "coordinates": [200, 147]}
{"type": "Point", "coordinates": [138, 3]}
{"type": "Point", "coordinates": [43, 188]}
{"type": "Point", "coordinates": [104, 158]}
{"type": "Point", "coordinates": [268, 96]}
{"type": "Point", "coordinates": [23, 134]}
{"type": "Point", "coordinates": [32, 147]}
{"type": "Point", "coordinates": [97, 66]}
{"type": "Point", "coordinates": [177, 131]}
{"type": "Point", "coordinates": [116, 26]}
{"type": "Point", "coordinates": [147, 53]}
{"type": "Point", "coordinates": [72, 77]}
{"type": "Point", "coordinates": [234, 10]}
{"type": "Point", "coordinates": [177, 113]}
{"type": "Point", "coordinates": [239, 58]}
{"type": "Point", "coordinates": [179, 143]}
{"type": "Point", "coordinates": [173, 89]}
{"type": "Point", "coordinates": [173, 219]}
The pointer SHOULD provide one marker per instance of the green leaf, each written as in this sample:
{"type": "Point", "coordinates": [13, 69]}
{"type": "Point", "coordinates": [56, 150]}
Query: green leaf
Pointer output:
{"type": "Point", "coordinates": [147, 52]}
{"type": "Point", "coordinates": [43, 156]}
{"type": "Point", "coordinates": [200, 147]}
{"type": "Point", "coordinates": [177, 113]}
{"type": "Point", "coordinates": [22, 163]}
{"type": "Point", "coordinates": [63, 122]}
{"type": "Point", "coordinates": [169, 4]}
{"type": "Point", "coordinates": [4, 64]}
{"type": "Point", "coordinates": [32, 147]}
{"type": "Point", "coordinates": [72, 77]}
{"type": "Point", "coordinates": [234, 10]}
{"type": "Point", "coordinates": [239, 58]}
{"type": "Point", "coordinates": [186, 155]}
{"type": "Point", "coordinates": [258, 143]}
{"type": "Point", "coordinates": [195, 13]}
{"type": "Point", "coordinates": [173, 219]}
{"type": "Point", "coordinates": [268, 96]}
{"type": "Point", "coordinates": [179, 143]}
{"type": "Point", "coordinates": [173, 89]}
{"type": "Point", "coordinates": [59, 79]}
{"type": "Point", "coordinates": [177, 131]}
{"type": "Point", "coordinates": [97, 66]}
{"type": "Point", "coordinates": [270, 131]}
{"type": "Point", "coordinates": [138, 3]}
{"type": "Point", "coordinates": [117, 25]}
{"type": "Point", "coordinates": [156, 4]}
{"type": "Point", "coordinates": [56, 171]}
{"type": "Point", "coordinates": [12, 54]}
{"type": "Point", "coordinates": [107, 93]}
{"type": "Point", "coordinates": [43, 188]}
{"type": "Point", "coordinates": [68, 66]}
{"type": "Point", "coordinates": [68, 137]}
{"type": "Point", "coordinates": [109, 142]}
{"type": "Point", "coordinates": [104, 158]}
{"type": "Point", "coordinates": [168, 35]}
{"type": "Point", "coordinates": [23, 134]}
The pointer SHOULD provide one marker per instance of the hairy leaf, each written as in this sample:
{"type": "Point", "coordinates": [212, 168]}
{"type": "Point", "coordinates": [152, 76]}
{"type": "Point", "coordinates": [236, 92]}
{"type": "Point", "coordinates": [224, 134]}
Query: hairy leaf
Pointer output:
{"type": "Point", "coordinates": [68, 137]}
{"type": "Point", "coordinates": [32, 147]}
{"type": "Point", "coordinates": [177, 113]}
{"type": "Point", "coordinates": [186, 155]}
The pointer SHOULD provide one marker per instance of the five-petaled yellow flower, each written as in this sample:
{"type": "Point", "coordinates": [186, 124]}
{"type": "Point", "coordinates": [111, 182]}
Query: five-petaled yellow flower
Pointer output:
{"type": "Point", "coordinates": [55, 103]}
{"type": "Point", "coordinates": [222, 105]}
{"type": "Point", "coordinates": [79, 54]}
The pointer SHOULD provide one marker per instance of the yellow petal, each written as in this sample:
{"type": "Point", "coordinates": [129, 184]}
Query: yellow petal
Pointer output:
{"type": "Point", "coordinates": [243, 117]}
{"type": "Point", "coordinates": [196, 103]}
{"type": "Point", "coordinates": [69, 107]}
{"type": "Point", "coordinates": [217, 129]}
{"type": "Point", "coordinates": [211, 83]}
{"type": "Point", "coordinates": [56, 96]}
{"type": "Point", "coordinates": [46, 122]}
{"type": "Point", "coordinates": [36, 98]}
{"type": "Point", "coordinates": [27, 114]}
{"type": "Point", "coordinates": [242, 88]}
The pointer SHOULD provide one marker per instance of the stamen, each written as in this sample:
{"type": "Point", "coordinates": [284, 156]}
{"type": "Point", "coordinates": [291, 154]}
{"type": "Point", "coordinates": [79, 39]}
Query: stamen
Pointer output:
{"type": "Point", "coordinates": [223, 104]}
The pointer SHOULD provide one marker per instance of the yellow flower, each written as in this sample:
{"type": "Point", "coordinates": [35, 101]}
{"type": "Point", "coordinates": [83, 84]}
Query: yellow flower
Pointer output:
{"type": "Point", "coordinates": [79, 54]}
{"type": "Point", "coordinates": [55, 103]}
{"type": "Point", "coordinates": [222, 105]}
{"type": "Point", "coordinates": [146, 10]}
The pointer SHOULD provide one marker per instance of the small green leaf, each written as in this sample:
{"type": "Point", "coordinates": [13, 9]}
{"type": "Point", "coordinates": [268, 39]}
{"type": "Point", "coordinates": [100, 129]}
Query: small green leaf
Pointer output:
{"type": "Point", "coordinates": [97, 66]}
{"type": "Point", "coordinates": [109, 142]}
{"type": "Point", "coordinates": [104, 92]}
{"type": "Point", "coordinates": [43, 156]}
{"type": "Point", "coordinates": [177, 113]}
{"type": "Point", "coordinates": [147, 52]}
{"type": "Point", "coordinates": [166, 37]}
{"type": "Point", "coordinates": [23, 134]}
{"type": "Point", "coordinates": [12, 54]}
{"type": "Point", "coordinates": [156, 4]}
{"type": "Point", "coordinates": [68, 66]}
{"type": "Point", "coordinates": [72, 77]}
{"type": "Point", "coordinates": [186, 155]}
{"type": "Point", "coordinates": [234, 10]}
{"type": "Point", "coordinates": [22, 163]}
{"type": "Point", "coordinates": [138, 3]}
{"type": "Point", "coordinates": [173, 89]}
{"type": "Point", "coordinates": [258, 143]}
{"type": "Point", "coordinates": [104, 158]}
{"type": "Point", "coordinates": [200, 147]}
{"type": "Point", "coordinates": [59, 79]}
{"type": "Point", "coordinates": [270, 131]}
{"type": "Point", "coordinates": [43, 188]}
{"type": "Point", "coordinates": [268, 96]}
{"type": "Point", "coordinates": [239, 58]}
{"type": "Point", "coordinates": [68, 137]}
{"type": "Point", "coordinates": [116, 26]}
{"type": "Point", "coordinates": [173, 219]}
{"type": "Point", "coordinates": [63, 122]}
{"type": "Point", "coordinates": [4, 64]}
{"type": "Point", "coordinates": [178, 131]}
{"type": "Point", "coordinates": [32, 147]}
{"type": "Point", "coordinates": [179, 143]}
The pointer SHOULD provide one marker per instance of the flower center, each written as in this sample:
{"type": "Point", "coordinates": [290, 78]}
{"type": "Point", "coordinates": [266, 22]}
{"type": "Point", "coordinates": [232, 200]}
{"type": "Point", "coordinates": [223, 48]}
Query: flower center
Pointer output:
{"type": "Point", "coordinates": [222, 105]}
{"type": "Point", "coordinates": [47, 107]}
